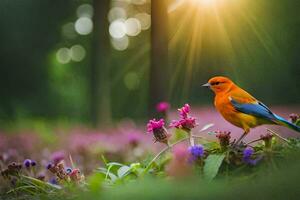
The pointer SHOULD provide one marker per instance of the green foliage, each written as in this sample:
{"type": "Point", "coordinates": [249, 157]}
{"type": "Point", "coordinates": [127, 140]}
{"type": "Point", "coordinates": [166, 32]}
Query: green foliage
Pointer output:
{"type": "Point", "coordinates": [116, 173]}
{"type": "Point", "coordinates": [147, 181]}
{"type": "Point", "coordinates": [212, 165]}
{"type": "Point", "coordinates": [26, 187]}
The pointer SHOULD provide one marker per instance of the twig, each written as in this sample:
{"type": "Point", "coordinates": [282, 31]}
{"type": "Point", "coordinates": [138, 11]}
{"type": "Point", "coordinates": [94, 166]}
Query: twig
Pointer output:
{"type": "Point", "coordinates": [253, 141]}
{"type": "Point", "coordinates": [197, 136]}
{"type": "Point", "coordinates": [277, 135]}
{"type": "Point", "coordinates": [71, 161]}
{"type": "Point", "coordinates": [163, 151]}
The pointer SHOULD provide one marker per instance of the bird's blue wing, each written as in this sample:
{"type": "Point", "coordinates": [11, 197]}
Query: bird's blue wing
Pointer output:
{"type": "Point", "coordinates": [257, 109]}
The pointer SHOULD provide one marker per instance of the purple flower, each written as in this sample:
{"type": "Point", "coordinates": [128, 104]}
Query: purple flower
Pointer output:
{"type": "Point", "coordinates": [53, 181]}
{"type": "Point", "coordinates": [197, 152]}
{"type": "Point", "coordinates": [158, 130]}
{"type": "Point", "coordinates": [162, 107]}
{"type": "Point", "coordinates": [49, 166]}
{"type": "Point", "coordinates": [247, 153]}
{"type": "Point", "coordinates": [187, 123]}
{"type": "Point", "coordinates": [33, 163]}
{"type": "Point", "coordinates": [27, 163]}
{"type": "Point", "coordinates": [247, 156]}
{"type": "Point", "coordinates": [57, 156]}
{"type": "Point", "coordinates": [184, 111]}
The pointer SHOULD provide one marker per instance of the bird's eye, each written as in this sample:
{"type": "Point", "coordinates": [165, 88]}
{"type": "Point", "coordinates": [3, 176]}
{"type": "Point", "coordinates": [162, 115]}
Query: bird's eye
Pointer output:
{"type": "Point", "coordinates": [217, 83]}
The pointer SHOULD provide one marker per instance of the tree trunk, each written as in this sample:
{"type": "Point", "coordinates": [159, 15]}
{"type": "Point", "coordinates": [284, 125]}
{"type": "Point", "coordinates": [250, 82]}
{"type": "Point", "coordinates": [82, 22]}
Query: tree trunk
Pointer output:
{"type": "Point", "coordinates": [100, 108]}
{"type": "Point", "coordinates": [159, 54]}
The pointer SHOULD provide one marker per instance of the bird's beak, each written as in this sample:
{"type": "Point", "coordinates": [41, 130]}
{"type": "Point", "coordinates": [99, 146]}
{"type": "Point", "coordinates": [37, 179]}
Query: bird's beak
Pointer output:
{"type": "Point", "coordinates": [206, 85]}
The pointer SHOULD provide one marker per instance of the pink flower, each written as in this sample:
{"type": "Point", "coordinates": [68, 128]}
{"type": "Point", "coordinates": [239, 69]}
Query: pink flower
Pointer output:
{"type": "Point", "coordinates": [186, 123]}
{"type": "Point", "coordinates": [162, 107]}
{"type": "Point", "coordinates": [159, 132]}
{"type": "Point", "coordinates": [57, 156]}
{"type": "Point", "coordinates": [184, 111]}
{"type": "Point", "coordinates": [181, 153]}
{"type": "Point", "coordinates": [133, 138]}
{"type": "Point", "coordinates": [179, 167]}
{"type": "Point", "coordinates": [154, 125]}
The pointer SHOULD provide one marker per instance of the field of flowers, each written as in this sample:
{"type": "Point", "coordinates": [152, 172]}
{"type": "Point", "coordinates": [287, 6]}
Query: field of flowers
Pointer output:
{"type": "Point", "coordinates": [120, 162]}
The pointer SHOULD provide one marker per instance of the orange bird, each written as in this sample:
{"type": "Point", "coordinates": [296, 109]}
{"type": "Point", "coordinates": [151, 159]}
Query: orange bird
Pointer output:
{"type": "Point", "coordinates": [240, 108]}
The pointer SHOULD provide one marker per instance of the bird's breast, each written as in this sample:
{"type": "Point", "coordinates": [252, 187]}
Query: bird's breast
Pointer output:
{"type": "Point", "coordinates": [226, 109]}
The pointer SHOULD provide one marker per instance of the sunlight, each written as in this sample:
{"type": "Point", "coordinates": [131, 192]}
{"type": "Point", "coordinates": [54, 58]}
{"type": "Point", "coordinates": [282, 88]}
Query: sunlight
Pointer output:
{"type": "Point", "coordinates": [205, 2]}
{"type": "Point", "coordinates": [214, 29]}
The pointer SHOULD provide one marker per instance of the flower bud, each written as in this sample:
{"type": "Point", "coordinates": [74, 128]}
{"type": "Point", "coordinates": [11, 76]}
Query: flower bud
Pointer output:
{"type": "Point", "coordinates": [267, 138]}
{"type": "Point", "coordinates": [27, 163]}
{"type": "Point", "coordinates": [159, 132]}
{"type": "Point", "coordinates": [224, 138]}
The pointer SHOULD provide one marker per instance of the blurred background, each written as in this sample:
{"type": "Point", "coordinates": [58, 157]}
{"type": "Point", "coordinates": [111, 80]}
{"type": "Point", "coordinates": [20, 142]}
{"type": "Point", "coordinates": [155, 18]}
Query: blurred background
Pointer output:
{"type": "Point", "coordinates": [97, 62]}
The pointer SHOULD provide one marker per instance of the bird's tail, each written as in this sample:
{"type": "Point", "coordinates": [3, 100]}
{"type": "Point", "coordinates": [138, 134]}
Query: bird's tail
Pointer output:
{"type": "Point", "coordinates": [283, 122]}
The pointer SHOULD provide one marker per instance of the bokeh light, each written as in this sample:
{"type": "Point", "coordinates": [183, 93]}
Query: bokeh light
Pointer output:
{"type": "Point", "coordinates": [117, 29]}
{"type": "Point", "coordinates": [132, 80]}
{"type": "Point", "coordinates": [120, 44]}
{"type": "Point", "coordinates": [77, 53]}
{"type": "Point", "coordinates": [133, 26]}
{"type": "Point", "coordinates": [63, 55]}
{"type": "Point", "coordinates": [145, 20]}
{"type": "Point", "coordinates": [116, 13]}
{"type": "Point", "coordinates": [85, 10]}
{"type": "Point", "coordinates": [84, 26]}
{"type": "Point", "coordinates": [68, 31]}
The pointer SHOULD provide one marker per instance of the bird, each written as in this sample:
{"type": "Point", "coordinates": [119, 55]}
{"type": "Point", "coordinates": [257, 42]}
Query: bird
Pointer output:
{"type": "Point", "coordinates": [241, 109]}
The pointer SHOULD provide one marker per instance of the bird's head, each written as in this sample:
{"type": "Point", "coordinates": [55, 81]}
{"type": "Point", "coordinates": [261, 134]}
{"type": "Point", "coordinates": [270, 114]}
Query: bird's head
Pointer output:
{"type": "Point", "coordinates": [219, 84]}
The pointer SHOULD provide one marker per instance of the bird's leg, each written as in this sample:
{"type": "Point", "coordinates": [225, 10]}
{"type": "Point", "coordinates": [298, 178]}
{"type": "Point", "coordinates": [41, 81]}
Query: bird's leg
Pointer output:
{"type": "Point", "coordinates": [240, 139]}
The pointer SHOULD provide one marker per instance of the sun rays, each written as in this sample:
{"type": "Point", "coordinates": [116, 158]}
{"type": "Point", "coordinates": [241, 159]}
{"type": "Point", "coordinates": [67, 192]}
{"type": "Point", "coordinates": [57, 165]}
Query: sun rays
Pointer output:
{"type": "Point", "coordinates": [212, 34]}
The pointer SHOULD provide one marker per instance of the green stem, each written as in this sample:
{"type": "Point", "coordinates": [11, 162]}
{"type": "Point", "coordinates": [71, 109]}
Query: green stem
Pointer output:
{"type": "Point", "coordinates": [162, 152]}
{"type": "Point", "coordinates": [192, 140]}
{"type": "Point", "coordinates": [277, 135]}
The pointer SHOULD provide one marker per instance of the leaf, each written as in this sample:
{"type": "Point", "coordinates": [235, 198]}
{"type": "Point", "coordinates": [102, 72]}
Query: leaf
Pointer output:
{"type": "Point", "coordinates": [211, 133]}
{"type": "Point", "coordinates": [123, 171]}
{"type": "Point", "coordinates": [95, 182]}
{"type": "Point", "coordinates": [112, 177]}
{"type": "Point", "coordinates": [179, 134]}
{"type": "Point", "coordinates": [102, 169]}
{"type": "Point", "coordinates": [212, 165]}
{"type": "Point", "coordinates": [207, 126]}
{"type": "Point", "coordinates": [114, 164]}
